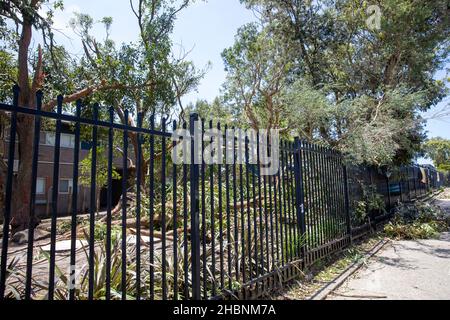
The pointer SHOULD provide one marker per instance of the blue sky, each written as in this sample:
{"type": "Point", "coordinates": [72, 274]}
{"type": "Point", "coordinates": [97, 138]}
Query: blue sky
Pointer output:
{"type": "Point", "coordinates": [206, 28]}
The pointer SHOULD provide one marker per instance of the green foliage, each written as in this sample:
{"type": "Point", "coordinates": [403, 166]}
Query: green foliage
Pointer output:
{"type": "Point", "coordinates": [309, 109]}
{"type": "Point", "coordinates": [256, 66]}
{"type": "Point", "coordinates": [144, 76]}
{"type": "Point", "coordinates": [81, 292]}
{"type": "Point", "coordinates": [101, 230]}
{"type": "Point", "coordinates": [347, 85]}
{"type": "Point", "coordinates": [8, 74]}
{"type": "Point", "coordinates": [216, 111]}
{"type": "Point", "coordinates": [101, 171]}
{"type": "Point", "coordinates": [438, 149]}
{"type": "Point", "coordinates": [416, 230]}
{"type": "Point", "coordinates": [417, 221]}
{"type": "Point", "coordinates": [371, 201]}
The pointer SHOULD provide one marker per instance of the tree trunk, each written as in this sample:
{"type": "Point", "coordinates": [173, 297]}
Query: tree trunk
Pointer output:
{"type": "Point", "coordinates": [134, 142]}
{"type": "Point", "coordinates": [22, 180]}
{"type": "Point", "coordinates": [20, 205]}
{"type": "Point", "coordinates": [98, 192]}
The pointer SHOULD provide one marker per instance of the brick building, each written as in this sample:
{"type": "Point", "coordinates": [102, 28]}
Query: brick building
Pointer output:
{"type": "Point", "coordinates": [44, 182]}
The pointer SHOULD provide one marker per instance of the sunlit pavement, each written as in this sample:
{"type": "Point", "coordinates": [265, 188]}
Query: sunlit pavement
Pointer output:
{"type": "Point", "coordinates": [418, 270]}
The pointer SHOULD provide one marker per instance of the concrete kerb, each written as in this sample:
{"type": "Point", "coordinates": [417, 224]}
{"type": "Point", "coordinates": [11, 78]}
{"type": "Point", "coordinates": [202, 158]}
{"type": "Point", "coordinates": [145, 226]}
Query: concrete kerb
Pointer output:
{"type": "Point", "coordinates": [323, 293]}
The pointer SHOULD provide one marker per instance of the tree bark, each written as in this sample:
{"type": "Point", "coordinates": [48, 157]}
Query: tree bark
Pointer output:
{"type": "Point", "coordinates": [20, 215]}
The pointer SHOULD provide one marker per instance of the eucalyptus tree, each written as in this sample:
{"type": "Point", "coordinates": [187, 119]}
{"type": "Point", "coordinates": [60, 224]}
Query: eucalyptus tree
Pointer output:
{"type": "Point", "coordinates": [19, 19]}
{"type": "Point", "coordinates": [438, 149]}
{"type": "Point", "coordinates": [140, 76]}
{"type": "Point", "coordinates": [156, 79]}
{"type": "Point", "coordinates": [257, 66]}
{"type": "Point", "coordinates": [353, 85]}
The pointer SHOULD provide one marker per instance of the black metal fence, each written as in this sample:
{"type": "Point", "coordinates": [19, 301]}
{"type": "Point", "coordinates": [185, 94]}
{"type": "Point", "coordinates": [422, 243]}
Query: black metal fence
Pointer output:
{"type": "Point", "coordinates": [191, 231]}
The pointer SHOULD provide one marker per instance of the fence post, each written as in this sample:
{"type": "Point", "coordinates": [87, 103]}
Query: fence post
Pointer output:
{"type": "Point", "coordinates": [195, 213]}
{"type": "Point", "coordinates": [400, 184]}
{"type": "Point", "coordinates": [347, 204]}
{"type": "Point", "coordinates": [409, 184]}
{"type": "Point", "coordinates": [8, 192]}
{"type": "Point", "coordinates": [388, 184]}
{"type": "Point", "coordinates": [415, 183]}
{"type": "Point", "coordinates": [300, 197]}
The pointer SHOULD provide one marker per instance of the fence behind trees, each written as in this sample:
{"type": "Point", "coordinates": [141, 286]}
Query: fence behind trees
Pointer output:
{"type": "Point", "coordinates": [191, 231]}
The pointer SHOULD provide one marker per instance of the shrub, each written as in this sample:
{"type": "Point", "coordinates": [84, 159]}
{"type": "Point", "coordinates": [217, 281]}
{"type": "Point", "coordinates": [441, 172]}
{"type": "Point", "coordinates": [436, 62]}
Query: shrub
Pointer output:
{"type": "Point", "coordinates": [417, 221]}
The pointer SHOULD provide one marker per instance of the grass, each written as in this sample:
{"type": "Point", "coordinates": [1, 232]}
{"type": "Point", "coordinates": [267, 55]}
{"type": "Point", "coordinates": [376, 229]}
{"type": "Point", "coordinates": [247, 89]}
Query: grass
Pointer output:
{"type": "Point", "coordinates": [325, 270]}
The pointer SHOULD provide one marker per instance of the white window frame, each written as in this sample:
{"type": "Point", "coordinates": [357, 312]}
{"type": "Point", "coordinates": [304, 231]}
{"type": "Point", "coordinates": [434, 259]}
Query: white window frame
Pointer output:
{"type": "Point", "coordinates": [71, 140]}
{"type": "Point", "coordinates": [43, 185]}
{"type": "Point", "coordinates": [49, 140]}
{"type": "Point", "coordinates": [70, 185]}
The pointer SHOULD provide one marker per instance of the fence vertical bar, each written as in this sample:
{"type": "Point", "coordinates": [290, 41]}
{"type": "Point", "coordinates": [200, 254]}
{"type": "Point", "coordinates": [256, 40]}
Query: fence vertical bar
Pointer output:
{"type": "Point", "coordinates": [400, 183]}
{"type": "Point", "coordinates": [300, 198]}
{"type": "Point", "coordinates": [261, 241]}
{"type": "Point", "coordinates": [291, 204]}
{"type": "Point", "coordinates": [219, 182]}
{"type": "Point", "coordinates": [249, 221]}
{"type": "Point", "coordinates": [55, 190]}
{"type": "Point", "coordinates": [163, 211]}
{"type": "Point", "coordinates": [347, 204]}
{"type": "Point", "coordinates": [151, 209]}
{"type": "Point", "coordinates": [109, 204]}
{"type": "Point", "coordinates": [331, 177]}
{"type": "Point", "coordinates": [185, 221]}
{"type": "Point", "coordinates": [8, 191]}
{"type": "Point", "coordinates": [31, 224]}
{"type": "Point", "coordinates": [415, 182]}
{"type": "Point", "coordinates": [93, 205]}
{"type": "Point", "coordinates": [409, 185]}
{"type": "Point", "coordinates": [388, 185]}
{"type": "Point", "coordinates": [124, 212]}
{"type": "Point", "coordinates": [73, 226]}
{"type": "Point", "coordinates": [213, 219]}
{"type": "Point", "coordinates": [307, 196]}
{"type": "Point", "coordinates": [175, 219]}
{"type": "Point", "coordinates": [138, 207]}
{"type": "Point", "coordinates": [283, 206]}
{"type": "Point", "coordinates": [195, 213]}
{"type": "Point", "coordinates": [271, 212]}
{"type": "Point", "coordinates": [326, 193]}
{"type": "Point", "coordinates": [315, 196]}
{"type": "Point", "coordinates": [235, 211]}
{"type": "Point", "coordinates": [293, 199]}
{"type": "Point", "coordinates": [266, 219]}
{"type": "Point", "coordinates": [241, 198]}
{"type": "Point", "coordinates": [255, 225]}
{"type": "Point", "coordinates": [280, 209]}
{"type": "Point", "coordinates": [339, 165]}
{"type": "Point", "coordinates": [340, 196]}
{"type": "Point", "coordinates": [203, 196]}
{"type": "Point", "coordinates": [227, 209]}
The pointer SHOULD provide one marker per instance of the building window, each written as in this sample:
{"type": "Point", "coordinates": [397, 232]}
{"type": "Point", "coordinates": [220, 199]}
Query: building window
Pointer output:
{"type": "Point", "coordinates": [40, 186]}
{"type": "Point", "coordinates": [49, 139]}
{"type": "Point", "coordinates": [67, 140]}
{"type": "Point", "coordinates": [65, 186]}
{"type": "Point", "coordinates": [15, 165]}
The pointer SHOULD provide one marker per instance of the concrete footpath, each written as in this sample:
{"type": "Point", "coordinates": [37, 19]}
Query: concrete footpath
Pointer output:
{"type": "Point", "coordinates": [417, 270]}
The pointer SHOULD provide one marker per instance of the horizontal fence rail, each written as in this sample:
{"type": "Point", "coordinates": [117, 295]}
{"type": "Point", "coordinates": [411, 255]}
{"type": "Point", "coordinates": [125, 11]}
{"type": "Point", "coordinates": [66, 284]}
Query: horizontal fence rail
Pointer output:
{"type": "Point", "coordinates": [111, 216]}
